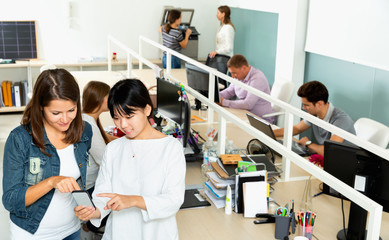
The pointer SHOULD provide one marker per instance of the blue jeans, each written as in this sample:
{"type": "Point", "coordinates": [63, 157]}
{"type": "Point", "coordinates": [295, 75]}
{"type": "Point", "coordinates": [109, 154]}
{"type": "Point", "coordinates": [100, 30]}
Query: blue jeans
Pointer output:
{"type": "Point", "coordinates": [176, 62]}
{"type": "Point", "coordinates": [74, 236]}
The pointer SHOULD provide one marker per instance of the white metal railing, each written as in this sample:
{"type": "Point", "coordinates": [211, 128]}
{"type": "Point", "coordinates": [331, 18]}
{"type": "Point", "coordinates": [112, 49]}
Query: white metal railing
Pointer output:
{"type": "Point", "coordinates": [375, 210]}
{"type": "Point", "coordinates": [130, 54]}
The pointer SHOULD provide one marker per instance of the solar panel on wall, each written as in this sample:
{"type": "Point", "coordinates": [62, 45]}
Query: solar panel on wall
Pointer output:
{"type": "Point", "coordinates": [18, 40]}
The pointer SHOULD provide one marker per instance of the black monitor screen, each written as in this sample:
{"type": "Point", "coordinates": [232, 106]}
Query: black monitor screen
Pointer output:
{"type": "Point", "coordinates": [345, 162]}
{"type": "Point", "coordinates": [365, 172]}
{"type": "Point", "coordinates": [198, 79]}
{"type": "Point", "coordinates": [168, 104]}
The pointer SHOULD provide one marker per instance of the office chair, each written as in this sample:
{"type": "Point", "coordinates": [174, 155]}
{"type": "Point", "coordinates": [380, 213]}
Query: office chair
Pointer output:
{"type": "Point", "coordinates": [282, 90]}
{"type": "Point", "coordinates": [372, 131]}
{"type": "Point", "coordinates": [219, 62]}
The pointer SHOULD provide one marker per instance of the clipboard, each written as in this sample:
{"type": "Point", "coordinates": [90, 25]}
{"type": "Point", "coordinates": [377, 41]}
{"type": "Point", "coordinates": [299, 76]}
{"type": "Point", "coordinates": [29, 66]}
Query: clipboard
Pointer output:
{"type": "Point", "coordinates": [193, 199]}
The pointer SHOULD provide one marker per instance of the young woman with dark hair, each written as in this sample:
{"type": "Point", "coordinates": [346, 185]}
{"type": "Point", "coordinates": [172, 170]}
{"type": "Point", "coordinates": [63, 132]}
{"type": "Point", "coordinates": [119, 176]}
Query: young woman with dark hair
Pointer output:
{"type": "Point", "coordinates": [45, 159]}
{"type": "Point", "coordinates": [142, 176]}
{"type": "Point", "coordinates": [225, 34]}
{"type": "Point", "coordinates": [173, 37]}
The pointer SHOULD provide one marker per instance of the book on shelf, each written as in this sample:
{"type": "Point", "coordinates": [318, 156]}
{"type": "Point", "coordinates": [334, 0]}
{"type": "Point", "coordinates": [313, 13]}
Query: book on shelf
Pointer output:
{"type": "Point", "coordinates": [4, 94]}
{"type": "Point", "coordinates": [1, 96]}
{"type": "Point", "coordinates": [25, 92]}
{"type": "Point", "coordinates": [9, 94]}
{"type": "Point", "coordinates": [13, 95]}
{"type": "Point", "coordinates": [17, 98]}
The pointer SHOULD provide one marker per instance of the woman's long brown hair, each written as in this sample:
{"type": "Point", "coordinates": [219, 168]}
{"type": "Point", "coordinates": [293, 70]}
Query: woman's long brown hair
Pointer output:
{"type": "Point", "coordinates": [92, 100]}
{"type": "Point", "coordinates": [54, 84]}
{"type": "Point", "coordinates": [227, 13]}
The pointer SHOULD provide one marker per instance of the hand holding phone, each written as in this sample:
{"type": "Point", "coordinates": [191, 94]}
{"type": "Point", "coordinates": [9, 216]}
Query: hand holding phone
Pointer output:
{"type": "Point", "coordinates": [83, 198]}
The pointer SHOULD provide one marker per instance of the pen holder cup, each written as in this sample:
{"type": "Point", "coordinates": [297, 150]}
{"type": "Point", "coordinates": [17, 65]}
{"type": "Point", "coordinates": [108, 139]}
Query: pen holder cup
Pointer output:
{"type": "Point", "coordinates": [282, 226]}
{"type": "Point", "coordinates": [307, 232]}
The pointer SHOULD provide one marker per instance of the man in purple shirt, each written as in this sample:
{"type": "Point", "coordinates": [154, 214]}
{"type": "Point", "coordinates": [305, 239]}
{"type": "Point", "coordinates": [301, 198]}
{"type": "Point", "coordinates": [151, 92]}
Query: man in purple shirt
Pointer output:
{"type": "Point", "coordinates": [241, 70]}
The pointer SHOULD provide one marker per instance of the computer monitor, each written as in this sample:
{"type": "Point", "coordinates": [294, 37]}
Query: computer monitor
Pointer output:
{"type": "Point", "coordinates": [198, 79]}
{"type": "Point", "coordinates": [176, 109]}
{"type": "Point", "coordinates": [361, 170]}
{"type": "Point", "coordinates": [186, 16]}
{"type": "Point", "coordinates": [168, 104]}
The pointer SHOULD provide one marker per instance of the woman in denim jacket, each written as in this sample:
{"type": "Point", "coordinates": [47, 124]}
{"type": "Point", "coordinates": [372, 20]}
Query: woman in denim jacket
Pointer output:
{"type": "Point", "coordinates": [45, 159]}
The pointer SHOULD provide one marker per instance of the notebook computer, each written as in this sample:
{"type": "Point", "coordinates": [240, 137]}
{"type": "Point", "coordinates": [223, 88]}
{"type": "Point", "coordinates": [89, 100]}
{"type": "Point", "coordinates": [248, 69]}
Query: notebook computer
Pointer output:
{"type": "Point", "coordinates": [265, 127]}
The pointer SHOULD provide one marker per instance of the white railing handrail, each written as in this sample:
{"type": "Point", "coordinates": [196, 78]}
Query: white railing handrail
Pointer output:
{"type": "Point", "coordinates": [382, 152]}
{"type": "Point", "coordinates": [129, 52]}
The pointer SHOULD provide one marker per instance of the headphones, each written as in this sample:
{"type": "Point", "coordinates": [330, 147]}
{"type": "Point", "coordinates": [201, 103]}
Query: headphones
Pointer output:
{"type": "Point", "coordinates": [255, 146]}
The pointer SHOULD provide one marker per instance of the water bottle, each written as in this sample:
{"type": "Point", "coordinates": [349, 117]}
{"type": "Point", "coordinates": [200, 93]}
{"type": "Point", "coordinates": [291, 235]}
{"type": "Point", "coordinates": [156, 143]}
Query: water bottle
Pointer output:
{"type": "Point", "coordinates": [209, 152]}
{"type": "Point", "coordinates": [231, 148]}
{"type": "Point", "coordinates": [205, 149]}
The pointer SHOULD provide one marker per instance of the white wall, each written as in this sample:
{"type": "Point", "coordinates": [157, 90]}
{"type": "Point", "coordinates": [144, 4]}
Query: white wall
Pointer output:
{"type": "Point", "coordinates": [354, 31]}
{"type": "Point", "coordinates": [63, 38]}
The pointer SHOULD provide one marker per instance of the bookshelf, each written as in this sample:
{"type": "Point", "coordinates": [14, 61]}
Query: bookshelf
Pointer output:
{"type": "Point", "coordinates": [30, 70]}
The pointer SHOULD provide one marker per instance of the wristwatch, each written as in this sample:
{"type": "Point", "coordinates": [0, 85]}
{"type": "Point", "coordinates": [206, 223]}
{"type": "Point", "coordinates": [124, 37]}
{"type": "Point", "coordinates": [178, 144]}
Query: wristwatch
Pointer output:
{"type": "Point", "coordinates": [307, 143]}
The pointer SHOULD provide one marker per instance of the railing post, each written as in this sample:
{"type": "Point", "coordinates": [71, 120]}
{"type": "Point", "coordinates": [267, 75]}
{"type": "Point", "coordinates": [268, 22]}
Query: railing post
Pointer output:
{"type": "Point", "coordinates": [29, 77]}
{"type": "Point", "coordinates": [221, 143]}
{"type": "Point", "coordinates": [288, 132]}
{"type": "Point", "coordinates": [129, 65]}
{"type": "Point", "coordinates": [211, 96]}
{"type": "Point", "coordinates": [140, 53]}
{"type": "Point", "coordinates": [109, 54]}
{"type": "Point", "coordinates": [168, 62]}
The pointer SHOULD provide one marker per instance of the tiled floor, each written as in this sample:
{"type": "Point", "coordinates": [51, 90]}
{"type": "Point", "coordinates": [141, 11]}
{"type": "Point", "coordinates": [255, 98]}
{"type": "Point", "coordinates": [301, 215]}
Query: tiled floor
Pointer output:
{"type": "Point", "coordinates": [7, 123]}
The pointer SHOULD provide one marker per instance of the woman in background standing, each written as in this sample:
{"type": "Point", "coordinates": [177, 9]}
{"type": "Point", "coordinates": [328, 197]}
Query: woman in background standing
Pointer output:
{"type": "Point", "coordinates": [226, 33]}
{"type": "Point", "coordinates": [173, 37]}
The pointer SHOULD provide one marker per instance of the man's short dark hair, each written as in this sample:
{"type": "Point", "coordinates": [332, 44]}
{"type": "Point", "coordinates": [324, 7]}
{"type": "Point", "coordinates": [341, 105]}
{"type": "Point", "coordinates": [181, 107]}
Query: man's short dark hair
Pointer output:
{"type": "Point", "coordinates": [237, 61]}
{"type": "Point", "coordinates": [313, 91]}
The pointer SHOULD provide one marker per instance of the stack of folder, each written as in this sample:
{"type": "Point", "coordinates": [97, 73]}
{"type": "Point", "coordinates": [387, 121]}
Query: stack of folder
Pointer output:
{"type": "Point", "coordinates": [13, 94]}
{"type": "Point", "coordinates": [219, 179]}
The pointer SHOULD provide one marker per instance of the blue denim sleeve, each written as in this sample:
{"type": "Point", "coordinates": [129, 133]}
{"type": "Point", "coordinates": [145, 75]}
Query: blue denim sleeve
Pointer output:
{"type": "Point", "coordinates": [14, 189]}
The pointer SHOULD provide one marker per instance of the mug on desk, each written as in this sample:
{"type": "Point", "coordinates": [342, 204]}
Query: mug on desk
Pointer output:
{"type": "Point", "coordinates": [300, 238]}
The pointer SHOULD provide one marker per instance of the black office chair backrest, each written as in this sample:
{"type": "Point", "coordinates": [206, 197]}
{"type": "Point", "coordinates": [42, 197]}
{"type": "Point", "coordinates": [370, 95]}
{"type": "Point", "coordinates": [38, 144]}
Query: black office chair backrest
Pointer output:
{"type": "Point", "coordinates": [219, 62]}
{"type": "Point", "coordinates": [198, 78]}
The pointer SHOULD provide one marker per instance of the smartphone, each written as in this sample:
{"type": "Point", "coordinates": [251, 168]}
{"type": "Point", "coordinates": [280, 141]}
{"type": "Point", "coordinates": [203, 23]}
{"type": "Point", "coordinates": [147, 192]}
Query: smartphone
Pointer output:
{"type": "Point", "coordinates": [83, 198]}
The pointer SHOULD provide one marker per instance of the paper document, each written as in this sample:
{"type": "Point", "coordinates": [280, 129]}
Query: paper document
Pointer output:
{"type": "Point", "coordinates": [255, 198]}
{"type": "Point", "coordinates": [219, 182]}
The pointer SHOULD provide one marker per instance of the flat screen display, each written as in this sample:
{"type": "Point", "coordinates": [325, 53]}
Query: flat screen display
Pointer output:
{"type": "Point", "coordinates": [168, 104]}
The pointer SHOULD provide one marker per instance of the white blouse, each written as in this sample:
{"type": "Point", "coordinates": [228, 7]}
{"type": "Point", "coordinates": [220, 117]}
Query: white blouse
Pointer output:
{"type": "Point", "coordinates": [154, 169]}
{"type": "Point", "coordinates": [59, 220]}
{"type": "Point", "coordinates": [225, 40]}
{"type": "Point", "coordinates": [96, 151]}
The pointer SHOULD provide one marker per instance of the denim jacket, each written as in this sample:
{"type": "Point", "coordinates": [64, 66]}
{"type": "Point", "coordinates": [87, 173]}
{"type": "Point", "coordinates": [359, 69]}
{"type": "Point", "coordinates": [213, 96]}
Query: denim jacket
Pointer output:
{"type": "Point", "coordinates": [24, 165]}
